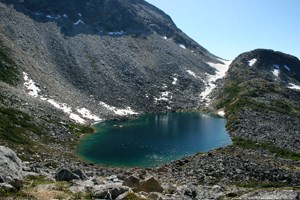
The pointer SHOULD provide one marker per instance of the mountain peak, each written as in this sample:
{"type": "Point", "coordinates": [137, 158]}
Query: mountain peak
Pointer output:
{"type": "Point", "coordinates": [98, 17]}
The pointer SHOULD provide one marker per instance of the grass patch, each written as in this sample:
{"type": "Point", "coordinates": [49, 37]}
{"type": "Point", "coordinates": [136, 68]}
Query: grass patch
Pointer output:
{"type": "Point", "coordinates": [14, 125]}
{"type": "Point", "coordinates": [78, 130]}
{"type": "Point", "coordinates": [8, 71]}
{"type": "Point", "coordinates": [249, 144]}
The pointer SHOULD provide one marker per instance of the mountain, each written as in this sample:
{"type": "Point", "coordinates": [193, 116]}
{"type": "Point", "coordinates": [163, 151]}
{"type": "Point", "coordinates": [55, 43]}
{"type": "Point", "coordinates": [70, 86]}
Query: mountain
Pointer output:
{"type": "Point", "coordinates": [260, 95]}
{"type": "Point", "coordinates": [98, 59]}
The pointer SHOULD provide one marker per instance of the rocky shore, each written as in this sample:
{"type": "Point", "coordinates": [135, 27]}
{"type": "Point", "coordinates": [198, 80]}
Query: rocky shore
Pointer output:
{"type": "Point", "coordinates": [227, 173]}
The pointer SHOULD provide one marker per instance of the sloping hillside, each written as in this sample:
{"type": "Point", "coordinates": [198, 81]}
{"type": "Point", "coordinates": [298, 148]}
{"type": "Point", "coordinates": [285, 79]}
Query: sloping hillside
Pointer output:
{"type": "Point", "coordinates": [261, 98]}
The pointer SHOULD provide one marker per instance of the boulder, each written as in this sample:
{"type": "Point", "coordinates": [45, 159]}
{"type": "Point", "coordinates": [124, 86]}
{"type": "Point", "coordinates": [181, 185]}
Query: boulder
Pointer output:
{"type": "Point", "coordinates": [81, 174]}
{"type": "Point", "coordinates": [10, 168]}
{"type": "Point", "coordinates": [110, 191]}
{"type": "Point", "coordinates": [132, 182]}
{"type": "Point", "coordinates": [65, 175]}
{"type": "Point", "coordinates": [150, 185]}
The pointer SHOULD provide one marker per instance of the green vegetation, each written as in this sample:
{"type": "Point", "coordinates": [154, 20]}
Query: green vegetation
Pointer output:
{"type": "Point", "coordinates": [14, 125]}
{"type": "Point", "coordinates": [78, 129]}
{"type": "Point", "coordinates": [279, 152]}
{"type": "Point", "coordinates": [241, 94]}
{"type": "Point", "coordinates": [8, 71]}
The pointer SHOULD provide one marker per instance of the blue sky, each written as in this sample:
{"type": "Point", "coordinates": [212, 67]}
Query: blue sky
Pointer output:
{"type": "Point", "coordinates": [229, 27]}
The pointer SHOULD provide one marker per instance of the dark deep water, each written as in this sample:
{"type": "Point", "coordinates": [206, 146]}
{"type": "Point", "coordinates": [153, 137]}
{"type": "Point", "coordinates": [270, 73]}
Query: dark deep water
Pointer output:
{"type": "Point", "coordinates": [153, 139]}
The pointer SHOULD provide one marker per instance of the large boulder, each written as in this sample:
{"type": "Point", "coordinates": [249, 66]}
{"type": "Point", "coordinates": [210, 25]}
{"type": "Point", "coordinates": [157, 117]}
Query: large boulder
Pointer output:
{"type": "Point", "coordinates": [133, 182]}
{"type": "Point", "coordinates": [151, 185]}
{"type": "Point", "coordinates": [10, 168]}
{"type": "Point", "coordinates": [109, 191]}
{"type": "Point", "coordinates": [65, 175]}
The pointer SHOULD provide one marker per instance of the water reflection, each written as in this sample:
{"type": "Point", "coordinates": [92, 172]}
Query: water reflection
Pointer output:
{"type": "Point", "coordinates": [155, 139]}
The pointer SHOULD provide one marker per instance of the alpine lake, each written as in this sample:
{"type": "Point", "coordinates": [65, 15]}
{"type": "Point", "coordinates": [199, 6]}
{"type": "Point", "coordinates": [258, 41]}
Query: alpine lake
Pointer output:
{"type": "Point", "coordinates": [153, 139]}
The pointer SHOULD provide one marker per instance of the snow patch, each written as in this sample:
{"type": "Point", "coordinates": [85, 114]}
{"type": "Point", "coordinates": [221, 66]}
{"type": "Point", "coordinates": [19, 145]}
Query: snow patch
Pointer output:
{"type": "Point", "coordinates": [287, 68]}
{"type": "Point", "coordinates": [252, 62]}
{"type": "Point", "coordinates": [53, 16]}
{"type": "Point", "coordinates": [276, 72]}
{"type": "Point", "coordinates": [164, 86]}
{"type": "Point", "coordinates": [175, 80]}
{"type": "Point", "coordinates": [294, 86]}
{"type": "Point", "coordinates": [78, 22]}
{"type": "Point", "coordinates": [164, 96]}
{"type": "Point", "coordinates": [192, 73]}
{"type": "Point", "coordinates": [116, 33]}
{"type": "Point", "coordinates": [79, 14]}
{"type": "Point", "coordinates": [182, 46]}
{"type": "Point", "coordinates": [165, 37]}
{"type": "Point", "coordinates": [65, 16]}
{"type": "Point", "coordinates": [221, 69]}
{"type": "Point", "coordinates": [88, 115]}
{"type": "Point", "coordinates": [276, 66]}
{"type": "Point", "coordinates": [77, 118]}
{"type": "Point", "coordinates": [117, 111]}
{"type": "Point", "coordinates": [33, 90]}
{"type": "Point", "coordinates": [62, 106]}
{"type": "Point", "coordinates": [221, 113]}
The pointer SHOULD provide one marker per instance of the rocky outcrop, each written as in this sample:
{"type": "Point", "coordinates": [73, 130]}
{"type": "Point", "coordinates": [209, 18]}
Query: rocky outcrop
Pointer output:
{"type": "Point", "coordinates": [109, 191]}
{"type": "Point", "coordinates": [260, 95]}
{"type": "Point", "coordinates": [150, 185]}
{"type": "Point", "coordinates": [10, 168]}
{"type": "Point", "coordinates": [68, 175]}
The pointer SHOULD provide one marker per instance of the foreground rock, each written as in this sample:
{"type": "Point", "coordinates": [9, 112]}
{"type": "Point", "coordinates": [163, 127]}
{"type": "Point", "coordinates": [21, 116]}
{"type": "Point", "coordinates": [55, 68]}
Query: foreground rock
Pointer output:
{"type": "Point", "coordinates": [68, 175]}
{"type": "Point", "coordinates": [109, 191]}
{"type": "Point", "coordinates": [10, 168]}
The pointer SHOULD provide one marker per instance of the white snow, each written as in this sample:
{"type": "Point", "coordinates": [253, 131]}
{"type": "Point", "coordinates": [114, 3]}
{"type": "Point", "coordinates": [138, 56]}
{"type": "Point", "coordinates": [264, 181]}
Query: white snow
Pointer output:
{"type": "Point", "coordinates": [287, 68]}
{"type": "Point", "coordinates": [182, 46]}
{"type": "Point", "coordinates": [65, 16]}
{"type": "Point", "coordinates": [174, 82]}
{"type": "Point", "coordinates": [165, 37]}
{"type": "Point", "coordinates": [221, 113]}
{"type": "Point", "coordinates": [221, 70]}
{"type": "Point", "coordinates": [79, 14]}
{"type": "Point", "coordinates": [276, 72]}
{"type": "Point", "coordinates": [116, 33]}
{"type": "Point", "coordinates": [53, 16]}
{"type": "Point", "coordinates": [294, 86]}
{"type": "Point", "coordinates": [33, 90]}
{"type": "Point", "coordinates": [252, 62]}
{"type": "Point", "coordinates": [192, 73]}
{"type": "Point", "coordinates": [276, 66]}
{"type": "Point", "coordinates": [117, 111]}
{"type": "Point", "coordinates": [77, 118]}
{"type": "Point", "coordinates": [78, 22]}
{"type": "Point", "coordinates": [164, 96]}
{"type": "Point", "coordinates": [164, 86]}
{"type": "Point", "coordinates": [62, 106]}
{"type": "Point", "coordinates": [88, 115]}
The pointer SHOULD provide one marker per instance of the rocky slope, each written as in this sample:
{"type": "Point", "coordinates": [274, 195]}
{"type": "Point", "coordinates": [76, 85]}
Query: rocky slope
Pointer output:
{"type": "Point", "coordinates": [109, 57]}
{"type": "Point", "coordinates": [261, 95]}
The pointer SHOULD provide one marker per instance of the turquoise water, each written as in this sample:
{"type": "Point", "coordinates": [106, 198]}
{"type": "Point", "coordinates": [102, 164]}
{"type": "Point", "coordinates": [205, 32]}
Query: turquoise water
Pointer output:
{"type": "Point", "coordinates": [153, 139]}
